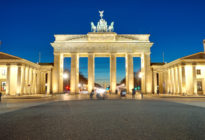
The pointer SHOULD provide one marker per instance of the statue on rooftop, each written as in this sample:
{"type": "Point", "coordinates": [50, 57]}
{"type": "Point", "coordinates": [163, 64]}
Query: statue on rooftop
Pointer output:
{"type": "Point", "coordinates": [93, 27]}
{"type": "Point", "coordinates": [102, 25]}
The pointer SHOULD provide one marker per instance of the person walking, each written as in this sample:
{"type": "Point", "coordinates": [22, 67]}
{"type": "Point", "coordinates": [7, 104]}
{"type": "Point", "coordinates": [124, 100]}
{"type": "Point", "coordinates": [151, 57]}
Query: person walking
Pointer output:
{"type": "Point", "coordinates": [133, 93]}
{"type": "Point", "coordinates": [91, 94]}
{"type": "Point", "coordinates": [0, 96]}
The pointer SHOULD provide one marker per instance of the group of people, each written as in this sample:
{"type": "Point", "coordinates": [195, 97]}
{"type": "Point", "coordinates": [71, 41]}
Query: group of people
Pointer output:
{"type": "Point", "coordinates": [133, 93]}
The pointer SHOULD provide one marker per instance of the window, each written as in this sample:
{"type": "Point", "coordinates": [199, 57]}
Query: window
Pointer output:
{"type": "Point", "coordinates": [198, 72]}
{"type": "Point", "coordinates": [199, 85]}
{"type": "Point", "coordinates": [3, 86]}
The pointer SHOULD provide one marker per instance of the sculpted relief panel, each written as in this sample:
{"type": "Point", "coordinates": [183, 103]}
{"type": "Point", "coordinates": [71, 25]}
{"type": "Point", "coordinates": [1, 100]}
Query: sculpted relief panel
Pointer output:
{"type": "Point", "coordinates": [101, 47]}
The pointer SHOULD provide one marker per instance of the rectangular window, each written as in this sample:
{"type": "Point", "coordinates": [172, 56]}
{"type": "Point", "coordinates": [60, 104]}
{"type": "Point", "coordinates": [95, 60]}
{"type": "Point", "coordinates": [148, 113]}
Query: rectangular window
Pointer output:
{"type": "Point", "coordinates": [198, 72]}
{"type": "Point", "coordinates": [199, 85]}
{"type": "Point", "coordinates": [3, 86]}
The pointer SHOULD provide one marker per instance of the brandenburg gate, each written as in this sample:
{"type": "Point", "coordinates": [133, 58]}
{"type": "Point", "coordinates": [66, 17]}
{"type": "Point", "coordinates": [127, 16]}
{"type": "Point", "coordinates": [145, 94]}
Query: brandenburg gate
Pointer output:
{"type": "Point", "coordinates": [102, 42]}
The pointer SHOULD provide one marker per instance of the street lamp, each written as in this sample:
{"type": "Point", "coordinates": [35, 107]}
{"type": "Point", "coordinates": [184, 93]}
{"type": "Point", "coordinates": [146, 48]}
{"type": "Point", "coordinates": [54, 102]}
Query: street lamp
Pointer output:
{"type": "Point", "coordinates": [66, 78]}
{"type": "Point", "coordinates": [65, 75]}
{"type": "Point", "coordinates": [140, 74]}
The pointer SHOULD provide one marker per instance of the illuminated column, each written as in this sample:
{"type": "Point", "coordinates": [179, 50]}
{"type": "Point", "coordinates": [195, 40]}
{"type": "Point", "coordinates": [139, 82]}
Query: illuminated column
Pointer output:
{"type": "Point", "coordinates": [112, 73]}
{"type": "Point", "coordinates": [172, 80]}
{"type": "Point", "coordinates": [13, 80]}
{"type": "Point", "coordinates": [48, 82]}
{"type": "Point", "coordinates": [31, 80]}
{"type": "Point", "coordinates": [74, 80]}
{"type": "Point", "coordinates": [179, 79]}
{"type": "Point", "coordinates": [183, 79]}
{"type": "Point", "coordinates": [57, 81]}
{"type": "Point", "coordinates": [160, 82]}
{"type": "Point", "coordinates": [19, 80]}
{"type": "Point", "coordinates": [38, 82]}
{"type": "Point", "coordinates": [143, 85]}
{"type": "Point", "coordinates": [27, 84]}
{"type": "Point", "coordinates": [155, 82]}
{"type": "Point", "coordinates": [190, 78]}
{"type": "Point", "coordinates": [43, 75]}
{"type": "Point", "coordinates": [129, 73]}
{"type": "Point", "coordinates": [194, 84]}
{"type": "Point", "coordinates": [8, 80]}
{"type": "Point", "coordinates": [146, 81]}
{"type": "Point", "coordinates": [34, 81]}
{"type": "Point", "coordinates": [91, 72]}
{"type": "Point", "coordinates": [166, 81]}
{"type": "Point", "coordinates": [23, 79]}
{"type": "Point", "coordinates": [176, 80]}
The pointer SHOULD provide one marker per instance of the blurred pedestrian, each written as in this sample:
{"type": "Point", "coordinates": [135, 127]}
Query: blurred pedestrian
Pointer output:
{"type": "Point", "coordinates": [91, 94]}
{"type": "Point", "coordinates": [116, 91]}
{"type": "Point", "coordinates": [0, 96]}
{"type": "Point", "coordinates": [133, 93]}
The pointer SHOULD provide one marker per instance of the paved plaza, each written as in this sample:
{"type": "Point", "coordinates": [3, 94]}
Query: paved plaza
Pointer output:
{"type": "Point", "coordinates": [67, 117]}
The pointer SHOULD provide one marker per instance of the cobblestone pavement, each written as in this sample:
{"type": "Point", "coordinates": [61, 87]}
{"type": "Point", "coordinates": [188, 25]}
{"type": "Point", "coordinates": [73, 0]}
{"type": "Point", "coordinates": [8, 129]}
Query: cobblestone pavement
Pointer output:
{"type": "Point", "coordinates": [104, 119]}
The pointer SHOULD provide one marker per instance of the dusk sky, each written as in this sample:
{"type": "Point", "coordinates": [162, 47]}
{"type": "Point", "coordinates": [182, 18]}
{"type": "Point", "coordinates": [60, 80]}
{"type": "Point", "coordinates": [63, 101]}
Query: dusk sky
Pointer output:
{"type": "Point", "coordinates": [27, 27]}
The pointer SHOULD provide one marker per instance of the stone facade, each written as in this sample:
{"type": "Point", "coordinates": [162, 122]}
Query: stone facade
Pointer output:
{"type": "Point", "coordinates": [19, 76]}
{"type": "Point", "coordinates": [107, 44]}
{"type": "Point", "coordinates": [184, 76]}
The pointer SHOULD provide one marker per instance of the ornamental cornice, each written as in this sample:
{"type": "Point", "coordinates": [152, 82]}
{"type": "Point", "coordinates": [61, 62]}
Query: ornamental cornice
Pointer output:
{"type": "Point", "coordinates": [101, 47]}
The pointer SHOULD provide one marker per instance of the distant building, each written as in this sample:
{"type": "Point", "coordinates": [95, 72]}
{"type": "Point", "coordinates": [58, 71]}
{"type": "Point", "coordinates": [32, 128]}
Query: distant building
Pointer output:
{"type": "Point", "coordinates": [19, 76]}
{"type": "Point", "coordinates": [184, 76]}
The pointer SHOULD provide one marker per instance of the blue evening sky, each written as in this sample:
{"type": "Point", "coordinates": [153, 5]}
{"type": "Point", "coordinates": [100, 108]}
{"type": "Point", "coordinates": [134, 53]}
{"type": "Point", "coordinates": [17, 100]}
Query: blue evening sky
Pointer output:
{"type": "Point", "coordinates": [176, 26]}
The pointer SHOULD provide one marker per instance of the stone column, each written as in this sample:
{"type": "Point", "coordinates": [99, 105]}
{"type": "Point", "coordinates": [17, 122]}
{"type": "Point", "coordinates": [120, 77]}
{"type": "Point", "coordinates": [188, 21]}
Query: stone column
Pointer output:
{"type": "Point", "coordinates": [173, 81]}
{"type": "Point", "coordinates": [129, 73]}
{"type": "Point", "coordinates": [31, 80]}
{"type": "Point", "coordinates": [189, 79]}
{"type": "Point", "coordinates": [27, 80]}
{"type": "Point", "coordinates": [8, 79]}
{"type": "Point", "coordinates": [19, 80]}
{"type": "Point", "coordinates": [38, 82]}
{"type": "Point", "coordinates": [183, 79]}
{"type": "Point", "coordinates": [74, 76]}
{"type": "Point", "coordinates": [112, 73]}
{"type": "Point", "coordinates": [36, 76]}
{"type": "Point", "coordinates": [34, 81]}
{"type": "Point", "coordinates": [161, 82]}
{"type": "Point", "coordinates": [146, 80]}
{"type": "Point", "coordinates": [194, 79]}
{"type": "Point", "coordinates": [13, 80]}
{"type": "Point", "coordinates": [57, 82]}
{"type": "Point", "coordinates": [155, 82]}
{"type": "Point", "coordinates": [179, 78]}
{"type": "Point", "coordinates": [23, 79]}
{"type": "Point", "coordinates": [43, 75]}
{"type": "Point", "coordinates": [91, 72]}
{"type": "Point", "coordinates": [48, 82]}
{"type": "Point", "coordinates": [172, 78]}
{"type": "Point", "coordinates": [166, 81]}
